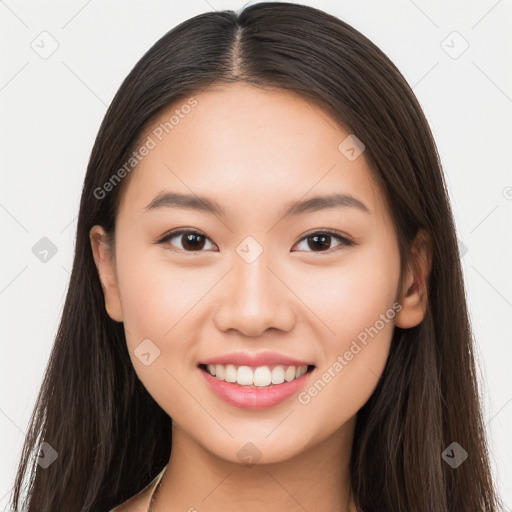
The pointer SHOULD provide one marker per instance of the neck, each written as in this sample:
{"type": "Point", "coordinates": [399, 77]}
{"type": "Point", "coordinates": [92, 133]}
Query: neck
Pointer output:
{"type": "Point", "coordinates": [316, 479]}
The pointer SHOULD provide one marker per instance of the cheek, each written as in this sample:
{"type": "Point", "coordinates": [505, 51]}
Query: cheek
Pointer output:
{"type": "Point", "coordinates": [157, 303]}
{"type": "Point", "coordinates": [351, 295]}
{"type": "Point", "coordinates": [355, 302]}
{"type": "Point", "coordinates": [155, 296]}
{"type": "Point", "coordinates": [162, 303]}
{"type": "Point", "coordinates": [158, 311]}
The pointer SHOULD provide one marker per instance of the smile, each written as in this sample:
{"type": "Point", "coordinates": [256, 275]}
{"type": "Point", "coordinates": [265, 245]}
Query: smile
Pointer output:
{"type": "Point", "coordinates": [260, 376]}
{"type": "Point", "coordinates": [255, 387]}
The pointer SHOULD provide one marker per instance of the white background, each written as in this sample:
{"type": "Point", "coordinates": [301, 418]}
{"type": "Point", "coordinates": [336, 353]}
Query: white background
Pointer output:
{"type": "Point", "coordinates": [51, 109]}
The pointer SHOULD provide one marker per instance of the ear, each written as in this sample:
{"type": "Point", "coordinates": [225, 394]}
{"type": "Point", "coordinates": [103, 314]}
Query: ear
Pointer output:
{"type": "Point", "coordinates": [105, 264]}
{"type": "Point", "coordinates": [414, 294]}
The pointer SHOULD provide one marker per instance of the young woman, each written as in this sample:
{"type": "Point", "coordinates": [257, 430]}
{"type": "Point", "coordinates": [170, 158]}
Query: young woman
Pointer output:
{"type": "Point", "coordinates": [266, 308]}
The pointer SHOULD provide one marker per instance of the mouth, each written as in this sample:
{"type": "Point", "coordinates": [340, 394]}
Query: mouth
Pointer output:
{"type": "Point", "coordinates": [267, 376]}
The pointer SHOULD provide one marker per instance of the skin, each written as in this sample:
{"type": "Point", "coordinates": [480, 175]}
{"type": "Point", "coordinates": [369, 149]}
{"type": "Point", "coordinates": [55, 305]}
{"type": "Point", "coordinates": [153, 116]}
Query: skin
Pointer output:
{"type": "Point", "coordinates": [253, 151]}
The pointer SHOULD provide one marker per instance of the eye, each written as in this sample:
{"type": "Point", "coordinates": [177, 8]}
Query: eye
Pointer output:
{"type": "Point", "coordinates": [322, 239]}
{"type": "Point", "coordinates": [192, 242]}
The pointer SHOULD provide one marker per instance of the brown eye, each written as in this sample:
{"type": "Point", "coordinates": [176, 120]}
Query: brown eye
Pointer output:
{"type": "Point", "coordinates": [191, 241]}
{"type": "Point", "coordinates": [321, 241]}
{"type": "Point", "coordinates": [195, 241]}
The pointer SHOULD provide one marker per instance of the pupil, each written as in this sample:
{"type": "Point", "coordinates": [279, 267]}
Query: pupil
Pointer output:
{"type": "Point", "coordinates": [190, 241]}
{"type": "Point", "coordinates": [324, 237]}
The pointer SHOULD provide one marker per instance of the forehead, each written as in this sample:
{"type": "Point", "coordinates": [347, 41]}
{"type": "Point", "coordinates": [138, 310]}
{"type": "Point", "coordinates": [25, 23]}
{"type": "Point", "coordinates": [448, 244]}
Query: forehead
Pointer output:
{"type": "Point", "coordinates": [246, 146]}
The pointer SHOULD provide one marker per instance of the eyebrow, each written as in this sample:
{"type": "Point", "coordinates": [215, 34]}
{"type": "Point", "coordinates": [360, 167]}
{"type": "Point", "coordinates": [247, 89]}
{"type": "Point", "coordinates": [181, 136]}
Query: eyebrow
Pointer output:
{"type": "Point", "coordinates": [205, 204]}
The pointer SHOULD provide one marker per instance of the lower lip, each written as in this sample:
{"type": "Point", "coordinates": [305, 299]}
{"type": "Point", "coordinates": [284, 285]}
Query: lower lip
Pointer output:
{"type": "Point", "coordinates": [255, 398]}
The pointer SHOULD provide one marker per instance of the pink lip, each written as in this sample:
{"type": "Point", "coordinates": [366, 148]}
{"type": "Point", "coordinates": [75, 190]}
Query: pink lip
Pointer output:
{"type": "Point", "coordinates": [254, 398]}
{"type": "Point", "coordinates": [259, 359]}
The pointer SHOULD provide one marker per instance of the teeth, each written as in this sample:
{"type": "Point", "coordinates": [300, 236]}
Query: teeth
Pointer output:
{"type": "Point", "coordinates": [301, 370]}
{"type": "Point", "coordinates": [220, 372]}
{"type": "Point", "coordinates": [244, 376]}
{"type": "Point", "coordinates": [230, 375]}
{"type": "Point", "coordinates": [278, 375]}
{"type": "Point", "coordinates": [290, 373]}
{"type": "Point", "coordinates": [260, 376]}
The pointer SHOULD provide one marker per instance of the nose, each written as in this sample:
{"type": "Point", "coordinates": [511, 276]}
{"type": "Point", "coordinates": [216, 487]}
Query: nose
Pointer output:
{"type": "Point", "coordinates": [254, 298]}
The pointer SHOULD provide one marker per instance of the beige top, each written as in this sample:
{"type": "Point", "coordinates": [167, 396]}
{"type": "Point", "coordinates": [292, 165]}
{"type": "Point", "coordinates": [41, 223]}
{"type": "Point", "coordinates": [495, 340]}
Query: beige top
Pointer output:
{"type": "Point", "coordinates": [140, 502]}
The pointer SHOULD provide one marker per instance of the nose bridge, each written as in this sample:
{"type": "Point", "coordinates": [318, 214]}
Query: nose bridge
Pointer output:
{"type": "Point", "coordinates": [252, 275]}
{"type": "Point", "coordinates": [255, 299]}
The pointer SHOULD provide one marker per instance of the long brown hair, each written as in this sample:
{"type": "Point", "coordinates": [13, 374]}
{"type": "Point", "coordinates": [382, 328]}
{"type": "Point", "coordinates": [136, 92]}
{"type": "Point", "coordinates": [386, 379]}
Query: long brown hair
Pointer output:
{"type": "Point", "coordinates": [112, 438]}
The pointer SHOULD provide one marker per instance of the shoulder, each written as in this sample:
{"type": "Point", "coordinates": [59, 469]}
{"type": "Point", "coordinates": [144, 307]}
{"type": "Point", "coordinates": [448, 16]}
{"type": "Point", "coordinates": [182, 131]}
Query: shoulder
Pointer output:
{"type": "Point", "coordinates": [137, 503]}
{"type": "Point", "coordinates": [140, 502]}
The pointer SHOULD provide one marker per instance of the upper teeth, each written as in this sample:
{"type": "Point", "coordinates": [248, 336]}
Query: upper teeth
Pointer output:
{"type": "Point", "coordinates": [258, 376]}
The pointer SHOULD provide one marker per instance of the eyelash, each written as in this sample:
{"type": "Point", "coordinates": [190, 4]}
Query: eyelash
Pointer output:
{"type": "Point", "coordinates": [345, 242]}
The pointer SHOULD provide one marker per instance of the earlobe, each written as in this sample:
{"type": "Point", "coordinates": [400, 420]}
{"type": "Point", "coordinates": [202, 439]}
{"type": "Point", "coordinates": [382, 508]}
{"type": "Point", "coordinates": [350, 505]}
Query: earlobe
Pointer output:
{"type": "Point", "coordinates": [414, 294]}
{"type": "Point", "coordinates": [105, 265]}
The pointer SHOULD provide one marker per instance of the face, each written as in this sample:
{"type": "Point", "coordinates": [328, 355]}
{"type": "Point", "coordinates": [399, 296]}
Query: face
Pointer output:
{"type": "Point", "coordinates": [251, 282]}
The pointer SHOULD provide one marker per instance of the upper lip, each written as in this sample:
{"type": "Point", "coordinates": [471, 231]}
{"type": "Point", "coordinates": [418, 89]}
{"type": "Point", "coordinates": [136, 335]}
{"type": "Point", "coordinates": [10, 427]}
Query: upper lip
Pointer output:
{"type": "Point", "coordinates": [255, 359]}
